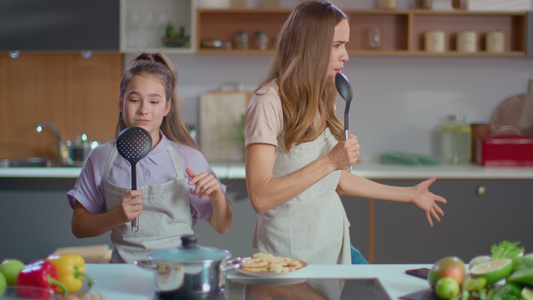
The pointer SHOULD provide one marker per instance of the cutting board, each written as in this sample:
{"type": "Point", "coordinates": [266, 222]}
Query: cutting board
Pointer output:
{"type": "Point", "coordinates": [514, 115]}
{"type": "Point", "coordinates": [221, 125]}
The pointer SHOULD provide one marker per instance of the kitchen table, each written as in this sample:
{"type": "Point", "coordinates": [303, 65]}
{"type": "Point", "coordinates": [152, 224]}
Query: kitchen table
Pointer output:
{"type": "Point", "coordinates": [127, 281]}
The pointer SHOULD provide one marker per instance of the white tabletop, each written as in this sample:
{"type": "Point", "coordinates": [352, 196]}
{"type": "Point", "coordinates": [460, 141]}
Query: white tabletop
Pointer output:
{"type": "Point", "coordinates": [126, 281]}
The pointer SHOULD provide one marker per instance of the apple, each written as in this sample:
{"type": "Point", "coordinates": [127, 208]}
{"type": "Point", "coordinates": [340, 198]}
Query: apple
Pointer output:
{"type": "Point", "coordinates": [3, 284]}
{"type": "Point", "coordinates": [447, 267]}
{"type": "Point", "coordinates": [10, 268]}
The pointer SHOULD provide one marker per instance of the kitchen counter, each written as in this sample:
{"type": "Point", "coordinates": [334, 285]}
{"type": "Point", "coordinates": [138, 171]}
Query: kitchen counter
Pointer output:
{"type": "Point", "coordinates": [126, 281]}
{"type": "Point", "coordinates": [371, 170]}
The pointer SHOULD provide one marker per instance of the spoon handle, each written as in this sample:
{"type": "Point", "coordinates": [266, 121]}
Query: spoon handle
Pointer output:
{"type": "Point", "coordinates": [134, 222]}
{"type": "Point", "coordinates": [346, 136]}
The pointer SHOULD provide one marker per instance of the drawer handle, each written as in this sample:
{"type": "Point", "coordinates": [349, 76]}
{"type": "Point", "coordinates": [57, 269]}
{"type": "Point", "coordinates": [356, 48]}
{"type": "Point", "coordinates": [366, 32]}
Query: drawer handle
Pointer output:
{"type": "Point", "coordinates": [481, 191]}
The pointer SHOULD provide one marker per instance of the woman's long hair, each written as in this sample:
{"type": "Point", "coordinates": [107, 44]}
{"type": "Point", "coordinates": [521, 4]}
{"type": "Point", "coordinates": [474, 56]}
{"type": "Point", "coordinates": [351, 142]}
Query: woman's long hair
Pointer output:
{"type": "Point", "coordinates": [159, 65]}
{"type": "Point", "coordinates": [300, 69]}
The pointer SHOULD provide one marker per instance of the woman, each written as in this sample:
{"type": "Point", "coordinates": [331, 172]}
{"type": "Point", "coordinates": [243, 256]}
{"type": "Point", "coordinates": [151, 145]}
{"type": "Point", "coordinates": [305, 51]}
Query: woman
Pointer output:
{"type": "Point", "coordinates": [296, 155]}
{"type": "Point", "coordinates": [176, 186]}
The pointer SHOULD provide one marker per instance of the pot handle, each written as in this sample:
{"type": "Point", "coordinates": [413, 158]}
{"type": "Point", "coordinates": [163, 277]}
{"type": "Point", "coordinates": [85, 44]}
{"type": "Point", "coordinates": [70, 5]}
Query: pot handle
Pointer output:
{"type": "Point", "coordinates": [149, 264]}
{"type": "Point", "coordinates": [232, 264]}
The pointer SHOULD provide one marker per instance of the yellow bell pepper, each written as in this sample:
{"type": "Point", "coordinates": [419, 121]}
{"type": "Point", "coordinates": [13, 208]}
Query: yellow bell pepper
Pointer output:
{"type": "Point", "coordinates": [70, 270]}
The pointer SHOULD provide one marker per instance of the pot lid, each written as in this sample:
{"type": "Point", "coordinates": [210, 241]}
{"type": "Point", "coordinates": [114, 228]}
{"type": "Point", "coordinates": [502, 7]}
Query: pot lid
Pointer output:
{"type": "Point", "coordinates": [191, 252]}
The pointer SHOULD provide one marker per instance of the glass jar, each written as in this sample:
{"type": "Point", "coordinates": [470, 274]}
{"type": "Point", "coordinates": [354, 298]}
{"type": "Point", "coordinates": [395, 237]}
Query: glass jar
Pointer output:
{"type": "Point", "coordinates": [261, 40]}
{"type": "Point", "coordinates": [242, 40]}
{"type": "Point", "coordinates": [456, 142]}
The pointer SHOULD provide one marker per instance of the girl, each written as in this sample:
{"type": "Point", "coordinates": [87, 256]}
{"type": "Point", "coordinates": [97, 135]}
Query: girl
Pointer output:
{"type": "Point", "coordinates": [176, 186]}
{"type": "Point", "coordinates": [296, 155]}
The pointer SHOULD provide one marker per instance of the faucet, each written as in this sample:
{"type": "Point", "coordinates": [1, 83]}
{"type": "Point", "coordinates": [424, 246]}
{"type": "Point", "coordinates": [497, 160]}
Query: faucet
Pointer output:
{"type": "Point", "coordinates": [40, 128]}
{"type": "Point", "coordinates": [51, 125]}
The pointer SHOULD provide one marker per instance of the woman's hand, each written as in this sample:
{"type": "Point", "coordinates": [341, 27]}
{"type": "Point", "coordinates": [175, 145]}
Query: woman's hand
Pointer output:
{"type": "Point", "coordinates": [345, 153]}
{"type": "Point", "coordinates": [131, 205]}
{"type": "Point", "coordinates": [427, 201]}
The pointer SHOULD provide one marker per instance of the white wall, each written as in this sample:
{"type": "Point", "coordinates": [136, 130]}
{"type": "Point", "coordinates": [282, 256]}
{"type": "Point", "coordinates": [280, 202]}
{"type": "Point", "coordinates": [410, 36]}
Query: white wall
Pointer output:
{"type": "Point", "coordinates": [398, 103]}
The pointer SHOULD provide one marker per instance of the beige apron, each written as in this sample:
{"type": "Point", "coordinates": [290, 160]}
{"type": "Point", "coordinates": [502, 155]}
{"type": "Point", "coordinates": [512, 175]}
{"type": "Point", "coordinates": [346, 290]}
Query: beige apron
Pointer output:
{"type": "Point", "coordinates": [166, 215]}
{"type": "Point", "coordinates": [313, 226]}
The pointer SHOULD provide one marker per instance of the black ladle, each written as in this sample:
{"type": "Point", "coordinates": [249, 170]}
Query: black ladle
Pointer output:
{"type": "Point", "coordinates": [133, 144]}
{"type": "Point", "coordinates": [345, 90]}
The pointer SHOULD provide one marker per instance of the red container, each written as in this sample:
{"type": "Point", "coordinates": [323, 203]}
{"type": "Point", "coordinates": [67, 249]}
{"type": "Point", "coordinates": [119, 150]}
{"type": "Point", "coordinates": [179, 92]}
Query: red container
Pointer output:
{"type": "Point", "coordinates": [505, 150]}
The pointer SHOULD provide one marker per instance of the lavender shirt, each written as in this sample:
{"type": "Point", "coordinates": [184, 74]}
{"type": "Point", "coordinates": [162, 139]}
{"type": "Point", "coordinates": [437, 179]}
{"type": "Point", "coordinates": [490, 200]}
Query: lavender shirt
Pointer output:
{"type": "Point", "coordinates": [155, 168]}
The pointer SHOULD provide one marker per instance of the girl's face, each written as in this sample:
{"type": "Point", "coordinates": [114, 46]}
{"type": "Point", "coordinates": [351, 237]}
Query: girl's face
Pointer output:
{"type": "Point", "coordinates": [144, 104]}
{"type": "Point", "coordinates": [339, 55]}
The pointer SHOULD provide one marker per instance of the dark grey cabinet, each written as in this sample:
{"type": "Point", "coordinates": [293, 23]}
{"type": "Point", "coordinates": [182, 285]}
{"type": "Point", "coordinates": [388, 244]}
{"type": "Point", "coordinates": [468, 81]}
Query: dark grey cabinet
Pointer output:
{"type": "Point", "coordinates": [59, 25]}
{"type": "Point", "coordinates": [473, 221]}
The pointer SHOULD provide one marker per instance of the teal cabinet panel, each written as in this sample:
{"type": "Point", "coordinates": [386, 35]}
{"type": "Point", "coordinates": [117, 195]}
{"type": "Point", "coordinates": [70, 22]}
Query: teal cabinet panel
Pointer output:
{"type": "Point", "coordinates": [473, 221]}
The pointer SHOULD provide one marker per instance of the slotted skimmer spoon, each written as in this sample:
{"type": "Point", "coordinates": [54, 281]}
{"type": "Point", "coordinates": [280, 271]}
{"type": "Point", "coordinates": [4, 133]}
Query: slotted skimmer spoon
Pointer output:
{"type": "Point", "coordinates": [345, 90]}
{"type": "Point", "coordinates": [133, 144]}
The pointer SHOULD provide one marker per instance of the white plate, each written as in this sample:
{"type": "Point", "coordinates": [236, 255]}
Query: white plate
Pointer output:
{"type": "Point", "coordinates": [271, 275]}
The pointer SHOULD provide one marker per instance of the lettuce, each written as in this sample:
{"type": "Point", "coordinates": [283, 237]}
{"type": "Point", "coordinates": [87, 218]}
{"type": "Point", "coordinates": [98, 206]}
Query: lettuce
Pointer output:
{"type": "Point", "coordinates": [506, 249]}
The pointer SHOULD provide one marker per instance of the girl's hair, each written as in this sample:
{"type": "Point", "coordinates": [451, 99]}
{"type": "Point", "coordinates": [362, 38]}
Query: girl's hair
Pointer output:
{"type": "Point", "coordinates": [159, 65]}
{"type": "Point", "coordinates": [300, 68]}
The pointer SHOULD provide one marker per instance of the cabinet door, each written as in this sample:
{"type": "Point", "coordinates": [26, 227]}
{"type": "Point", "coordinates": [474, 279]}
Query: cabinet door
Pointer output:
{"type": "Point", "coordinates": [59, 25]}
{"type": "Point", "coordinates": [472, 222]}
{"type": "Point", "coordinates": [360, 217]}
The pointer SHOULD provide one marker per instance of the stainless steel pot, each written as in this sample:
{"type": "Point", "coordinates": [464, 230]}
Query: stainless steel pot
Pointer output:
{"type": "Point", "coordinates": [190, 269]}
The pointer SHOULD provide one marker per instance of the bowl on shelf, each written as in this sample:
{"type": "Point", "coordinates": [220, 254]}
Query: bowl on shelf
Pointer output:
{"type": "Point", "coordinates": [175, 42]}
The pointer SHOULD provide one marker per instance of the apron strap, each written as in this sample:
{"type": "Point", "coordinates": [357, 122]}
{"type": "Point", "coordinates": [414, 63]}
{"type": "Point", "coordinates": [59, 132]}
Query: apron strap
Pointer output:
{"type": "Point", "coordinates": [110, 159]}
{"type": "Point", "coordinates": [175, 161]}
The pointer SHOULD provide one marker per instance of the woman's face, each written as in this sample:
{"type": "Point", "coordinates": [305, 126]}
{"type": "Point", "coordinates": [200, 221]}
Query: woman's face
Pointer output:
{"type": "Point", "coordinates": [339, 55]}
{"type": "Point", "coordinates": [144, 104]}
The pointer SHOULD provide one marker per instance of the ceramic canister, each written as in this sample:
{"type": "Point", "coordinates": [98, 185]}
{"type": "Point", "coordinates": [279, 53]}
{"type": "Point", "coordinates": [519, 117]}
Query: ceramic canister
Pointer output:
{"type": "Point", "coordinates": [387, 4]}
{"type": "Point", "coordinates": [435, 41]}
{"type": "Point", "coordinates": [467, 41]}
{"type": "Point", "coordinates": [495, 41]}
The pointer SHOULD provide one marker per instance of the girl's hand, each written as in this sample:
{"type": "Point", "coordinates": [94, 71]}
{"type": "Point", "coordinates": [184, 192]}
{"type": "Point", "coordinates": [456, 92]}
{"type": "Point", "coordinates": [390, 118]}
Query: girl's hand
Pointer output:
{"type": "Point", "coordinates": [345, 153]}
{"type": "Point", "coordinates": [206, 185]}
{"type": "Point", "coordinates": [131, 205]}
{"type": "Point", "coordinates": [427, 201]}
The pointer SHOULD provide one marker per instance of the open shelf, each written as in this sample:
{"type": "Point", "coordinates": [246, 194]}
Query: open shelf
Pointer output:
{"type": "Point", "coordinates": [401, 32]}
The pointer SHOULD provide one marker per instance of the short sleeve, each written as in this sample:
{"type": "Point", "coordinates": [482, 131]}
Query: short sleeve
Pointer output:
{"type": "Point", "coordinates": [263, 122]}
{"type": "Point", "coordinates": [88, 189]}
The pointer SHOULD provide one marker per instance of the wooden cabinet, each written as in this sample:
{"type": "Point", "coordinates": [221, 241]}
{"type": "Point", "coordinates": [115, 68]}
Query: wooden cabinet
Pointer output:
{"type": "Point", "coordinates": [473, 221]}
{"type": "Point", "coordinates": [74, 93]}
{"type": "Point", "coordinates": [400, 32]}
{"type": "Point", "coordinates": [59, 25]}
{"type": "Point", "coordinates": [143, 25]}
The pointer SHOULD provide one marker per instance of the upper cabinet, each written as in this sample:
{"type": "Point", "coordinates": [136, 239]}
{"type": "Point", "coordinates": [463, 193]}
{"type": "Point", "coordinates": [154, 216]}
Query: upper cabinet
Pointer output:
{"type": "Point", "coordinates": [177, 26]}
{"type": "Point", "coordinates": [157, 25]}
{"type": "Point", "coordinates": [376, 32]}
{"type": "Point", "coordinates": [59, 25]}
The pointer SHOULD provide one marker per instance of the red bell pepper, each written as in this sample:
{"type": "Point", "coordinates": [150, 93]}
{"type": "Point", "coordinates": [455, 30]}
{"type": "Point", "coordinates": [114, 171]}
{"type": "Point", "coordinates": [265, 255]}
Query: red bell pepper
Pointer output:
{"type": "Point", "coordinates": [35, 281]}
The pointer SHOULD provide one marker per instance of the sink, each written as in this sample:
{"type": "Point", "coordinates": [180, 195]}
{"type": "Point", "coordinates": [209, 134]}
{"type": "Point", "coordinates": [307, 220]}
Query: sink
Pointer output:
{"type": "Point", "coordinates": [31, 162]}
